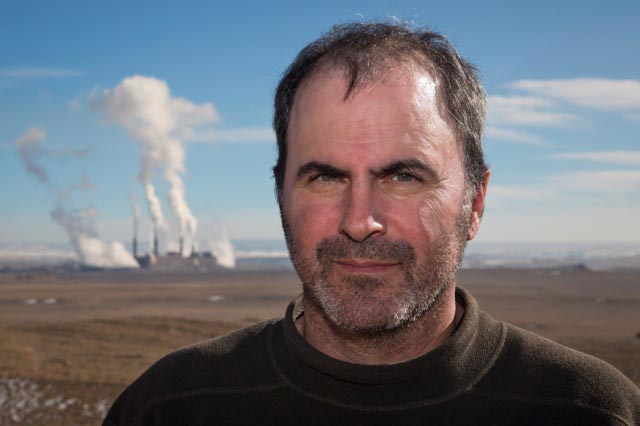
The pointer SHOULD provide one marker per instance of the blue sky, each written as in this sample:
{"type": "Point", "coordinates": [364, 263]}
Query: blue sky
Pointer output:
{"type": "Point", "coordinates": [563, 80]}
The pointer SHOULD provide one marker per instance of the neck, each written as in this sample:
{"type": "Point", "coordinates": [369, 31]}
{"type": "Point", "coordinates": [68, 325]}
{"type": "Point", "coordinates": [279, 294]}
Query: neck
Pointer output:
{"type": "Point", "coordinates": [408, 342]}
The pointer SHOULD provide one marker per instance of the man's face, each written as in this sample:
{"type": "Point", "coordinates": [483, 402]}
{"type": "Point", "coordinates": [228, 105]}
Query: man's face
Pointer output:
{"type": "Point", "coordinates": [372, 202]}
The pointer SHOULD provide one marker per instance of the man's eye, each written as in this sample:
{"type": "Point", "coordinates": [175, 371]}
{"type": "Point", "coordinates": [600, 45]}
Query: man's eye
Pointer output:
{"type": "Point", "coordinates": [404, 183]}
{"type": "Point", "coordinates": [325, 183]}
{"type": "Point", "coordinates": [404, 178]}
{"type": "Point", "coordinates": [324, 177]}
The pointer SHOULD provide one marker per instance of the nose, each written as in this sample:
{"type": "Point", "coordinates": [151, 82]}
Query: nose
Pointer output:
{"type": "Point", "coordinates": [360, 219]}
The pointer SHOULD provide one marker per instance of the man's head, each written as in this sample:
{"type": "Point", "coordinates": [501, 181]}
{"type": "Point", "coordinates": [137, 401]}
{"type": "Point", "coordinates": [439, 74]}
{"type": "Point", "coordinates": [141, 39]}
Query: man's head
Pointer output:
{"type": "Point", "coordinates": [380, 180]}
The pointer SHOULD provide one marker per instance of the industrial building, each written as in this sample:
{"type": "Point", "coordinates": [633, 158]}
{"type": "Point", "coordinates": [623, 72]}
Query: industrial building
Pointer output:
{"type": "Point", "coordinates": [175, 261]}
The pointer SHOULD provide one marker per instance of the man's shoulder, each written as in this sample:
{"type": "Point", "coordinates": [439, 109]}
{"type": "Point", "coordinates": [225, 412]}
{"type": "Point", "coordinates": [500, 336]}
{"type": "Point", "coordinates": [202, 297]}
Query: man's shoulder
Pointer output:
{"type": "Point", "coordinates": [535, 369]}
{"type": "Point", "coordinates": [244, 346]}
{"type": "Point", "coordinates": [225, 345]}
{"type": "Point", "coordinates": [538, 356]}
{"type": "Point", "coordinates": [230, 363]}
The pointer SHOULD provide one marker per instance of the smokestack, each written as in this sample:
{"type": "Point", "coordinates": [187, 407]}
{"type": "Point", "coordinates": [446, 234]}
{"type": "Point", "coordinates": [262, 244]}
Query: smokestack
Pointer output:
{"type": "Point", "coordinates": [134, 247]}
{"type": "Point", "coordinates": [155, 244]}
{"type": "Point", "coordinates": [136, 219]}
{"type": "Point", "coordinates": [181, 246]}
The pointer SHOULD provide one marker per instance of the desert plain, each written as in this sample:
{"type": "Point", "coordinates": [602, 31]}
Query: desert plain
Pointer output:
{"type": "Point", "coordinates": [70, 342]}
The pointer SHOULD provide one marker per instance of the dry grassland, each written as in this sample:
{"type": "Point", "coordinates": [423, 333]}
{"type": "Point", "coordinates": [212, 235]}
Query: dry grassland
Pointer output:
{"type": "Point", "coordinates": [69, 343]}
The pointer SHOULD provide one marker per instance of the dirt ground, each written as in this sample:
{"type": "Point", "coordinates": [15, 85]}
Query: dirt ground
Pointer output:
{"type": "Point", "coordinates": [70, 343]}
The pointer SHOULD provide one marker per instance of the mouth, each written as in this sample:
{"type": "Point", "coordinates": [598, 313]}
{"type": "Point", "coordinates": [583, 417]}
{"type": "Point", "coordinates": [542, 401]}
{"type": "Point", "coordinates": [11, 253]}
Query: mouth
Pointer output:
{"type": "Point", "coordinates": [365, 266]}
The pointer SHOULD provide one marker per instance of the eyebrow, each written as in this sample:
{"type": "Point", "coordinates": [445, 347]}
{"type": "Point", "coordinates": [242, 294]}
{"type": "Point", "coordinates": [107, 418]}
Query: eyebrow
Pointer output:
{"type": "Point", "coordinates": [316, 167]}
{"type": "Point", "coordinates": [409, 164]}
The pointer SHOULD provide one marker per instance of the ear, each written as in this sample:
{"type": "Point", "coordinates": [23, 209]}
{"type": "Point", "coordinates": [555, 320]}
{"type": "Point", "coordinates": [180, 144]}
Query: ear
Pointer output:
{"type": "Point", "coordinates": [477, 207]}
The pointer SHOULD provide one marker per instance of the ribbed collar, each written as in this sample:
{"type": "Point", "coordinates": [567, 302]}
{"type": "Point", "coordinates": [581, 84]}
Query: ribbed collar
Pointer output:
{"type": "Point", "coordinates": [449, 369]}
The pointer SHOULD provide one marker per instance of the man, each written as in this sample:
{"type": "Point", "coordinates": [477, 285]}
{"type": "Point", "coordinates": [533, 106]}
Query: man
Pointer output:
{"type": "Point", "coordinates": [381, 181]}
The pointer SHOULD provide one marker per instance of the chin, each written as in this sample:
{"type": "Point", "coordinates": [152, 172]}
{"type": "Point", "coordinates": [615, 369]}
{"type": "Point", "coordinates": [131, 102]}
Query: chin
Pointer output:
{"type": "Point", "coordinates": [365, 305]}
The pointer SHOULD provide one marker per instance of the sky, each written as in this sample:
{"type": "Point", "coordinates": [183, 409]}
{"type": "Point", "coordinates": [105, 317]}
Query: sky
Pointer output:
{"type": "Point", "coordinates": [101, 101]}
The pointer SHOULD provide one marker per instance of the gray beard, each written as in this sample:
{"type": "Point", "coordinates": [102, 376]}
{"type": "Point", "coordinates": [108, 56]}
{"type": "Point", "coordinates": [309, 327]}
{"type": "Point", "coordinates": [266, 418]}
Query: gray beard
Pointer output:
{"type": "Point", "coordinates": [351, 303]}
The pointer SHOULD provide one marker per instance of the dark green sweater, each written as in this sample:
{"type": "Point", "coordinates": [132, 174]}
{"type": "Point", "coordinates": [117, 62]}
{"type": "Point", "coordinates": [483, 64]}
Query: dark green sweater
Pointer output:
{"type": "Point", "coordinates": [487, 373]}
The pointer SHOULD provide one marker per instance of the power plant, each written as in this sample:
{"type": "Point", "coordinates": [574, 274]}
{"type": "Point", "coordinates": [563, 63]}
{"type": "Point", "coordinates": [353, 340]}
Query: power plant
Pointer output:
{"type": "Point", "coordinates": [154, 129]}
{"type": "Point", "coordinates": [174, 260]}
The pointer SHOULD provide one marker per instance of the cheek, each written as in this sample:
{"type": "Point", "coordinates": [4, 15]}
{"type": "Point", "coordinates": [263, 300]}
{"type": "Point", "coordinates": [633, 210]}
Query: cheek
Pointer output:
{"type": "Point", "coordinates": [439, 214]}
{"type": "Point", "coordinates": [313, 221]}
{"type": "Point", "coordinates": [418, 221]}
{"type": "Point", "coordinates": [432, 217]}
{"type": "Point", "coordinates": [408, 220]}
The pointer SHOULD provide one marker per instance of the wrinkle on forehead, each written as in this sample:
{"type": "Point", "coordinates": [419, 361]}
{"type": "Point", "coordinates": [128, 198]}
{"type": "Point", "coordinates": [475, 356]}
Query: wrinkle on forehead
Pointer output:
{"type": "Point", "coordinates": [322, 86]}
{"type": "Point", "coordinates": [428, 95]}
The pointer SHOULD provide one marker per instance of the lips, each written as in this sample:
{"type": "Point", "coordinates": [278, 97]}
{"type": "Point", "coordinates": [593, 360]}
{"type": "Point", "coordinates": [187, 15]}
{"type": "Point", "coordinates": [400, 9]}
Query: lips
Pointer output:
{"type": "Point", "coordinates": [366, 265]}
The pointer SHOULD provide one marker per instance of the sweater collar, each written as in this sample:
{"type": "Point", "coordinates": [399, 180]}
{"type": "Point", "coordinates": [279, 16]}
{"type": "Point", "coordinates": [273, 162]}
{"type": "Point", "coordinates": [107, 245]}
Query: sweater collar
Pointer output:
{"type": "Point", "coordinates": [456, 364]}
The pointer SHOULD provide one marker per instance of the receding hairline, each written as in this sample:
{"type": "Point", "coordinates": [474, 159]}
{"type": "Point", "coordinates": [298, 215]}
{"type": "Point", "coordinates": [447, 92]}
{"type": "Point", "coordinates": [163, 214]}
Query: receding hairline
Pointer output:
{"type": "Point", "coordinates": [372, 77]}
{"type": "Point", "coordinates": [375, 71]}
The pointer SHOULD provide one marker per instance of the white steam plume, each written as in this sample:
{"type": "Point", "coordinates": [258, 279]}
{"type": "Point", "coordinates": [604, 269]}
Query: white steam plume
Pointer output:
{"type": "Point", "coordinates": [30, 150]}
{"type": "Point", "coordinates": [144, 107]}
{"type": "Point", "coordinates": [79, 226]}
{"type": "Point", "coordinates": [222, 249]}
{"type": "Point", "coordinates": [155, 209]}
{"type": "Point", "coordinates": [90, 249]}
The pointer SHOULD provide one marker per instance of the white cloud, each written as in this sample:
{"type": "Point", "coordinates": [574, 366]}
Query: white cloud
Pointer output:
{"type": "Point", "coordinates": [540, 107]}
{"type": "Point", "coordinates": [561, 191]}
{"type": "Point", "coordinates": [605, 181]}
{"type": "Point", "coordinates": [626, 158]}
{"type": "Point", "coordinates": [506, 192]}
{"type": "Point", "coordinates": [596, 93]}
{"type": "Point", "coordinates": [236, 135]}
{"type": "Point", "coordinates": [568, 207]}
{"type": "Point", "coordinates": [508, 135]}
{"type": "Point", "coordinates": [525, 111]}
{"type": "Point", "coordinates": [519, 101]}
{"type": "Point", "coordinates": [35, 73]}
{"type": "Point", "coordinates": [576, 224]}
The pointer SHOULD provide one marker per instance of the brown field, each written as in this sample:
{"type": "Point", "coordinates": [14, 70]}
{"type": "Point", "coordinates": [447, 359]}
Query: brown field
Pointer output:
{"type": "Point", "coordinates": [69, 343]}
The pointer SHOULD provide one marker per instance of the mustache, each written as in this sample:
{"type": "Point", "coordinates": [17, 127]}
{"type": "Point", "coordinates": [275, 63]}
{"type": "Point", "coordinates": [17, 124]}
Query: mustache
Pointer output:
{"type": "Point", "coordinates": [381, 249]}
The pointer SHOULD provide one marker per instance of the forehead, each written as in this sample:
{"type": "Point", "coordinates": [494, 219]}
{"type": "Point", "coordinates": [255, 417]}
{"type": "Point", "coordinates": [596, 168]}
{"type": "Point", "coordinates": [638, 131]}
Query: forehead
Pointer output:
{"type": "Point", "coordinates": [400, 110]}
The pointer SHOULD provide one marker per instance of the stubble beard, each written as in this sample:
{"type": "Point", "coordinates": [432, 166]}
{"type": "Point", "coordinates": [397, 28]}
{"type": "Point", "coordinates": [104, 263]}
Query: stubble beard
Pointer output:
{"type": "Point", "coordinates": [369, 305]}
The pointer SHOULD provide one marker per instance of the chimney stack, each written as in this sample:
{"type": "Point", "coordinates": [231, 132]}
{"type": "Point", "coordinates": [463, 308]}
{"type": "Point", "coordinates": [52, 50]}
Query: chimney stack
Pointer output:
{"type": "Point", "coordinates": [155, 244]}
{"type": "Point", "coordinates": [181, 246]}
{"type": "Point", "coordinates": [134, 247]}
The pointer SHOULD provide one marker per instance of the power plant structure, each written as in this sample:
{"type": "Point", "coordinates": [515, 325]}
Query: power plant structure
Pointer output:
{"type": "Point", "coordinates": [174, 260]}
